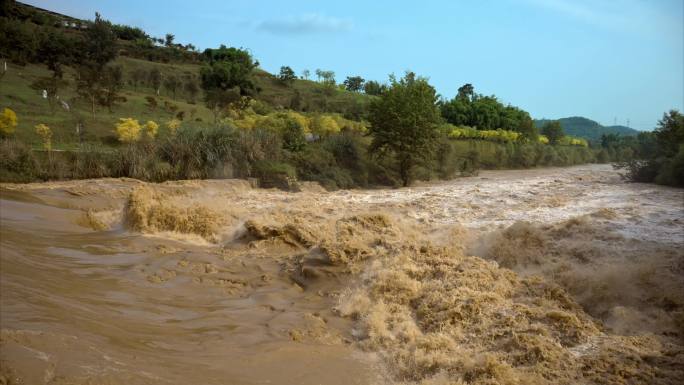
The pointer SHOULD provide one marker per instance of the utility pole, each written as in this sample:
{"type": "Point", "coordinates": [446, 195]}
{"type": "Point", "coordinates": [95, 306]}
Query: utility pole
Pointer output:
{"type": "Point", "coordinates": [627, 123]}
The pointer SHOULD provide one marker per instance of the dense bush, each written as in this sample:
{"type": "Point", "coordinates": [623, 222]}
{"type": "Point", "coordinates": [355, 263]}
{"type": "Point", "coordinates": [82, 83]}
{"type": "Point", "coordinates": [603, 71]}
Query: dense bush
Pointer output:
{"type": "Point", "coordinates": [654, 157]}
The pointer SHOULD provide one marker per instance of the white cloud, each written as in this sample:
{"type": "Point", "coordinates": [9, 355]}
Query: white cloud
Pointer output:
{"type": "Point", "coordinates": [312, 23]}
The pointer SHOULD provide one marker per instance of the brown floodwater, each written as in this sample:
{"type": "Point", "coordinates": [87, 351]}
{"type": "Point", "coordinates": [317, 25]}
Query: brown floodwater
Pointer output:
{"type": "Point", "coordinates": [533, 276]}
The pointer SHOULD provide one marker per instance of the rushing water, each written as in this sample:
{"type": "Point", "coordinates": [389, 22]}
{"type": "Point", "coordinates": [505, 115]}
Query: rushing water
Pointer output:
{"type": "Point", "coordinates": [213, 282]}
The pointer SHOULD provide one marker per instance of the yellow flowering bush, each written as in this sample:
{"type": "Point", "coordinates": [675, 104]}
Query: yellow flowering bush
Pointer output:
{"type": "Point", "coordinates": [490, 135]}
{"type": "Point", "coordinates": [8, 121]}
{"type": "Point", "coordinates": [324, 125]}
{"type": "Point", "coordinates": [572, 141]}
{"type": "Point", "coordinates": [45, 134]}
{"type": "Point", "coordinates": [151, 129]}
{"type": "Point", "coordinates": [302, 120]}
{"type": "Point", "coordinates": [246, 121]}
{"type": "Point", "coordinates": [173, 125]}
{"type": "Point", "coordinates": [543, 139]}
{"type": "Point", "coordinates": [128, 130]}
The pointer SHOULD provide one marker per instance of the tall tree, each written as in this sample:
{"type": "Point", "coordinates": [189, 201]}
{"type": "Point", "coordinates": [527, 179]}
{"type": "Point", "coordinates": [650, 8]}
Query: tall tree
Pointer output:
{"type": "Point", "coordinates": [372, 87]}
{"type": "Point", "coordinates": [226, 77]}
{"type": "Point", "coordinates": [97, 48]}
{"type": "Point", "coordinates": [172, 83]}
{"type": "Point", "coordinates": [191, 88]}
{"type": "Point", "coordinates": [354, 83]}
{"type": "Point", "coordinates": [286, 75]}
{"type": "Point", "coordinates": [553, 131]}
{"type": "Point", "coordinates": [466, 91]}
{"type": "Point", "coordinates": [112, 80]}
{"type": "Point", "coordinates": [138, 76]}
{"type": "Point", "coordinates": [168, 39]}
{"type": "Point", "coordinates": [155, 79]}
{"type": "Point", "coordinates": [404, 123]}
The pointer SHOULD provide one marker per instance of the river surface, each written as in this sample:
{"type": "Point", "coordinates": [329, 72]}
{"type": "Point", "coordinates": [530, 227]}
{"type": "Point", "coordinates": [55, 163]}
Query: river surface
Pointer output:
{"type": "Point", "coordinates": [558, 275]}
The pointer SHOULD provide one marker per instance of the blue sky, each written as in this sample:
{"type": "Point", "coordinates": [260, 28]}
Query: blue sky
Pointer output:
{"type": "Point", "coordinates": [605, 59]}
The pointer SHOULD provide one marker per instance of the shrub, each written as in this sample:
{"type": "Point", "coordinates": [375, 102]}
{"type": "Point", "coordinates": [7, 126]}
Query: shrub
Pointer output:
{"type": "Point", "coordinates": [151, 129]}
{"type": "Point", "coordinates": [45, 135]}
{"type": "Point", "coordinates": [317, 164]}
{"type": "Point", "coordinates": [173, 125]}
{"type": "Point", "coordinates": [18, 164]}
{"type": "Point", "coordinates": [194, 154]}
{"type": "Point", "coordinates": [446, 163]}
{"type": "Point", "coordinates": [324, 125]}
{"type": "Point", "coordinates": [8, 122]}
{"type": "Point", "coordinates": [293, 137]}
{"type": "Point", "coordinates": [672, 170]}
{"type": "Point", "coordinates": [92, 163]}
{"type": "Point", "coordinates": [275, 174]}
{"type": "Point", "coordinates": [128, 130]}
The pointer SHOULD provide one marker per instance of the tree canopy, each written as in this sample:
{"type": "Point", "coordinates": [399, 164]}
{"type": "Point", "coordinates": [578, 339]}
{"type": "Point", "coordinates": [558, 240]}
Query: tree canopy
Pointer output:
{"type": "Point", "coordinates": [404, 123]}
{"type": "Point", "coordinates": [226, 77]}
{"type": "Point", "coordinates": [354, 83]}
{"type": "Point", "coordinates": [553, 131]}
{"type": "Point", "coordinates": [286, 75]}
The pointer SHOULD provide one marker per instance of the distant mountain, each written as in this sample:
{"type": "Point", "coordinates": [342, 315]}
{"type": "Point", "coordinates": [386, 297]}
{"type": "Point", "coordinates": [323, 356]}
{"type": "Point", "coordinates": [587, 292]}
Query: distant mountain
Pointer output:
{"type": "Point", "coordinates": [587, 128]}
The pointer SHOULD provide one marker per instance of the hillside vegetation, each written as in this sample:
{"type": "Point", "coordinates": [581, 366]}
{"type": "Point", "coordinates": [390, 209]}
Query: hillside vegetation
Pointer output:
{"type": "Point", "coordinates": [588, 129]}
{"type": "Point", "coordinates": [117, 102]}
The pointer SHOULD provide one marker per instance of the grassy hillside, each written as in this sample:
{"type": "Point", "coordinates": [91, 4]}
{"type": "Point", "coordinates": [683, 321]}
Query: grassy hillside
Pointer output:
{"type": "Point", "coordinates": [295, 129]}
{"type": "Point", "coordinates": [16, 93]}
{"type": "Point", "coordinates": [587, 128]}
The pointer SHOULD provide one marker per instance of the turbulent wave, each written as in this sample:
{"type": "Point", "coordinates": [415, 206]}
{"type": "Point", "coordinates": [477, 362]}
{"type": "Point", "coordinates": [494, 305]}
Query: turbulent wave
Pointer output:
{"type": "Point", "coordinates": [435, 285]}
{"type": "Point", "coordinates": [435, 314]}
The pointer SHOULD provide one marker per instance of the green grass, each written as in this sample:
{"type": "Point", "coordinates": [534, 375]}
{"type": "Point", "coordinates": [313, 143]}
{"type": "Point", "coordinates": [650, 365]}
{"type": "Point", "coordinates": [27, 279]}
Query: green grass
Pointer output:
{"type": "Point", "coordinates": [17, 94]}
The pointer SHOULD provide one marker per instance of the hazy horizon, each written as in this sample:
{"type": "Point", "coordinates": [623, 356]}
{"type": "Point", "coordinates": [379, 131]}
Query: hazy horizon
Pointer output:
{"type": "Point", "coordinates": [612, 62]}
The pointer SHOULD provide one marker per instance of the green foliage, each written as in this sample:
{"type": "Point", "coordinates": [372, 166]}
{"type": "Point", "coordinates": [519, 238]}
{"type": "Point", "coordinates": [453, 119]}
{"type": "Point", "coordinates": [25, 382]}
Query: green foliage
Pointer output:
{"type": "Point", "coordinates": [155, 79]}
{"type": "Point", "coordinates": [18, 41]}
{"type": "Point", "coordinates": [226, 77]}
{"type": "Point", "coordinates": [270, 142]}
{"type": "Point", "coordinates": [326, 77]}
{"type": "Point", "coordinates": [286, 75]}
{"type": "Point", "coordinates": [470, 109]}
{"type": "Point", "coordinates": [588, 129]}
{"type": "Point", "coordinates": [659, 156]}
{"type": "Point", "coordinates": [275, 174]}
{"type": "Point", "coordinates": [172, 84]}
{"type": "Point", "coordinates": [372, 87]}
{"type": "Point", "coordinates": [18, 164]}
{"type": "Point", "coordinates": [125, 32]}
{"type": "Point", "coordinates": [404, 123]}
{"type": "Point", "coordinates": [670, 133]}
{"type": "Point", "coordinates": [317, 164]}
{"type": "Point", "coordinates": [293, 137]}
{"type": "Point", "coordinates": [354, 83]}
{"type": "Point", "coordinates": [56, 50]}
{"type": "Point", "coordinates": [553, 131]}
{"type": "Point", "coordinates": [97, 82]}
{"type": "Point", "coordinates": [191, 88]}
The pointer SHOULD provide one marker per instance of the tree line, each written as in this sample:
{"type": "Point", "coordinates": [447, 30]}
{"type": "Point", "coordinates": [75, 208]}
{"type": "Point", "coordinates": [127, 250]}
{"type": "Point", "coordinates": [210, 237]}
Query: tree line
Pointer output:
{"type": "Point", "coordinates": [409, 124]}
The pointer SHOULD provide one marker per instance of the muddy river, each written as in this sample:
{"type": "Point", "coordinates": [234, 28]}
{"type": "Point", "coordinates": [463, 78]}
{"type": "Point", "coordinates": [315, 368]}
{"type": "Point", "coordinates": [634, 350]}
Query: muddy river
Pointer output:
{"type": "Point", "coordinates": [546, 276]}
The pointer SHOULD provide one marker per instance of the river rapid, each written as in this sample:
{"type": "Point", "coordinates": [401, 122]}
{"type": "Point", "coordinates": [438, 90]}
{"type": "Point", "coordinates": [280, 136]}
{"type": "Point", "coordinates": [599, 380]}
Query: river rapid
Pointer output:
{"type": "Point", "coordinates": [544, 276]}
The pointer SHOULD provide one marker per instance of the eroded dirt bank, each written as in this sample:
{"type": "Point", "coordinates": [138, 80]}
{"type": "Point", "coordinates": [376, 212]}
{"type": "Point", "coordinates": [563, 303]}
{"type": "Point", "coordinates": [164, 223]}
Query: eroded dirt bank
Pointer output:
{"type": "Point", "coordinates": [514, 277]}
